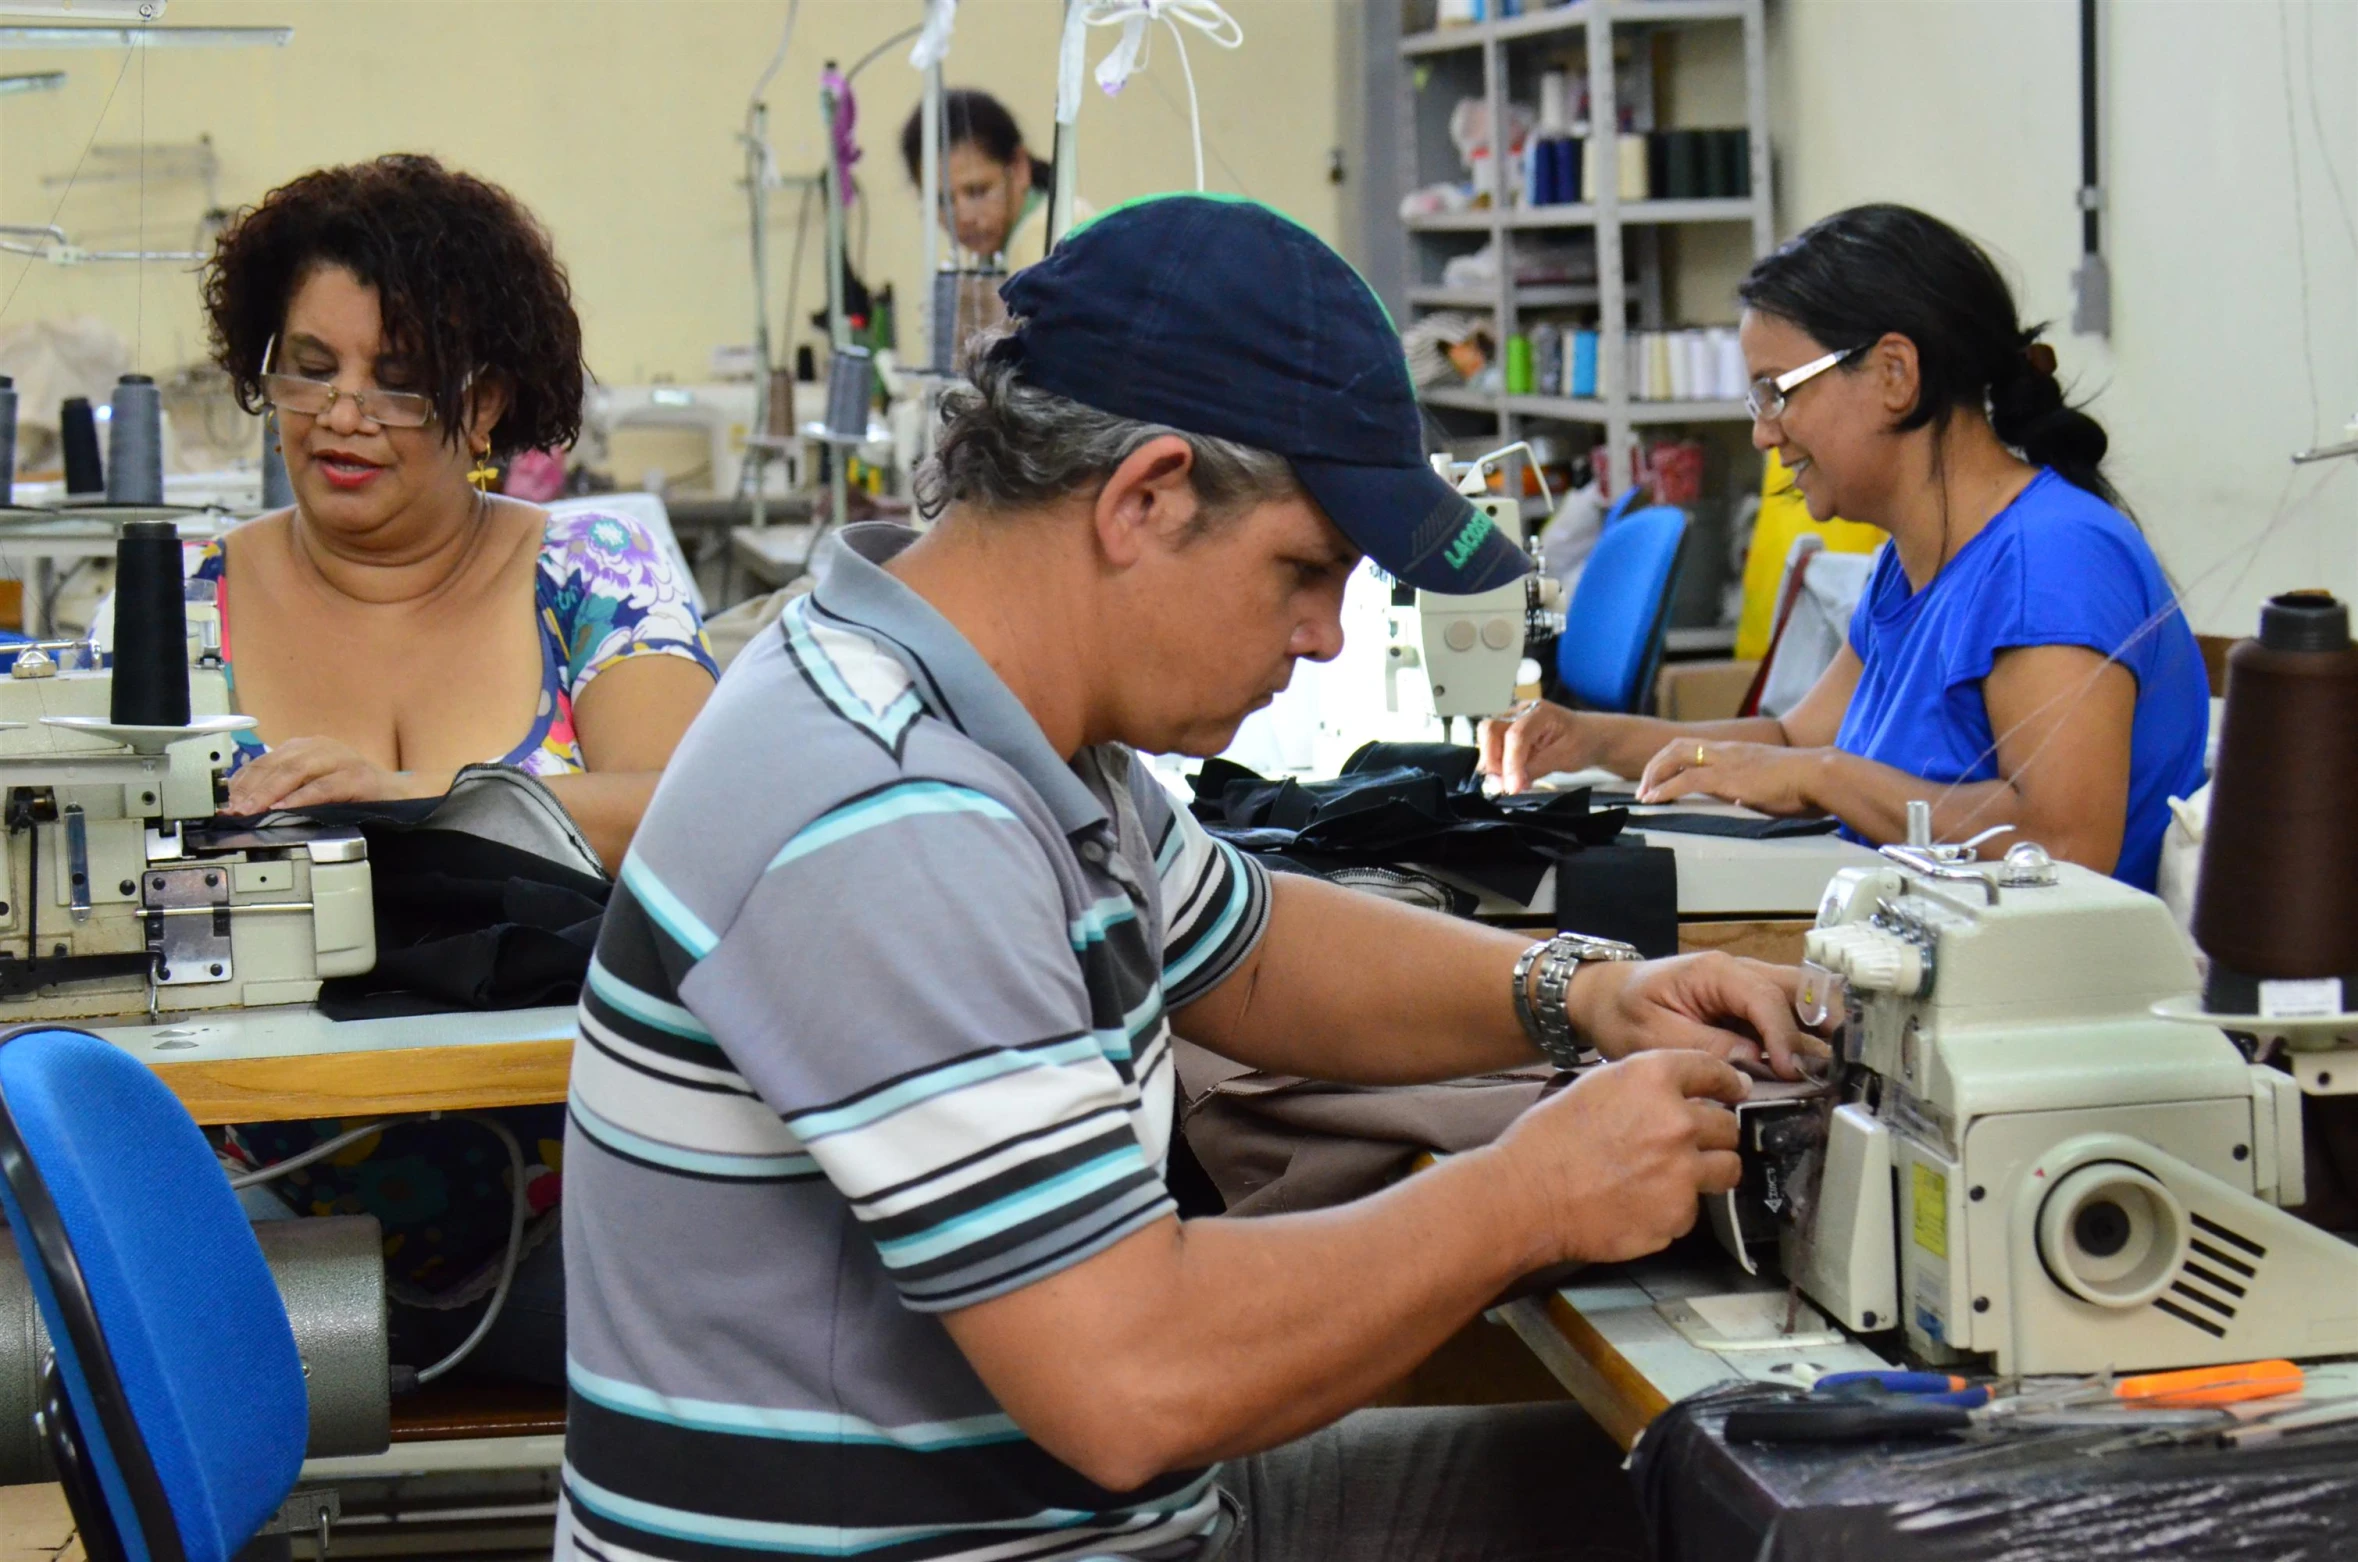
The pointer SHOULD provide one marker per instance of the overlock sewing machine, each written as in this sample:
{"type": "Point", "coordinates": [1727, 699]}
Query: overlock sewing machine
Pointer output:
{"type": "Point", "coordinates": [2017, 1158]}
{"type": "Point", "coordinates": [120, 896]}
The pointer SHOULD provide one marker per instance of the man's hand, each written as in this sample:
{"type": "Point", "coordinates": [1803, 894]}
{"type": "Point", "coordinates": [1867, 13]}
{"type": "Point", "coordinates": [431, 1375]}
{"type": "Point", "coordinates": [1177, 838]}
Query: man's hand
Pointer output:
{"type": "Point", "coordinates": [302, 772]}
{"type": "Point", "coordinates": [1765, 776]}
{"type": "Point", "coordinates": [1615, 1163]}
{"type": "Point", "coordinates": [1737, 1010]}
{"type": "Point", "coordinates": [1540, 741]}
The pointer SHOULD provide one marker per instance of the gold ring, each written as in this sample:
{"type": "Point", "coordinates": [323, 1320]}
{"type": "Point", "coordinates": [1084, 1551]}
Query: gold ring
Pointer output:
{"type": "Point", "coordinates": [1699, 759]}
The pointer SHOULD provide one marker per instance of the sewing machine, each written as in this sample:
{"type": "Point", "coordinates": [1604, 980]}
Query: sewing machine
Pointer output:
{"type": "Point", "coordinates": [1468, 649]}
{"type": "Point", "coordinates": [2020, 1159]}
{"type": "Point", "coordinates": [121, 898]}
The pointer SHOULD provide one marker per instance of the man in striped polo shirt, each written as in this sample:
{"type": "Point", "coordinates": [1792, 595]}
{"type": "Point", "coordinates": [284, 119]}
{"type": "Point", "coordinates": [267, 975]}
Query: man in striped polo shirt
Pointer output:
{"type": "Point", "coordinates": [869, 1247]}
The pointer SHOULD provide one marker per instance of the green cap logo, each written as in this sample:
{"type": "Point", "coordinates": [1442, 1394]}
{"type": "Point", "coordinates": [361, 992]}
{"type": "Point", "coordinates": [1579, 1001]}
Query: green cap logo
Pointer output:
{"type": "Point", "coordinates": [1469, 537]}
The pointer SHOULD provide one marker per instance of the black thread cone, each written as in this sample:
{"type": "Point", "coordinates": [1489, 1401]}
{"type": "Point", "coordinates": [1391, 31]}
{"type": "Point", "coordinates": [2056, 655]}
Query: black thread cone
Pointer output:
{"type": "Point", "coordinates": [151, 628]}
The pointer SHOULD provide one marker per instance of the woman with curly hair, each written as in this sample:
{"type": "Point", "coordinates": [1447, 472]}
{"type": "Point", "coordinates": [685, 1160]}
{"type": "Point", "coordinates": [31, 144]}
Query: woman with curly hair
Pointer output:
{"type": "Point", "coordinates": [411, 326]}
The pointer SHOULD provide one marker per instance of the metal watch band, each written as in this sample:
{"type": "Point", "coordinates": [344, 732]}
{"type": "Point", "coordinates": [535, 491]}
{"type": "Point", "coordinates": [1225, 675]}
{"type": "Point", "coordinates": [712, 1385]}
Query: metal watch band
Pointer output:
{"type": "Point", "coordinates": [1541, 1003]}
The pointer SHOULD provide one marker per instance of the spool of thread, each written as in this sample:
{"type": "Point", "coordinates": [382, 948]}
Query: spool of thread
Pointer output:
{"type": "Point", "coordinates": [278, 492]}
{"type": "Point", "coordinates": [1554, 98]}
{"type": "Point", "coordinates": [135, 443]}
{"type": "Point", "coordinates": [1732, 162]}
{"type": "Point", "coordinates": [2278, 897]}
{"type": "Point", "coordinates": [151, 628]}
{"type": "Point", "coordinates": [849, 377]}
{"type": "Point", "coordinates": [1635, 183]}
{"type": "Point", "coordinates": [1584, 364]}
{"type": "Point", "coordinates": [945, 321]}
{"type": "Point", "coordinates": [1518, 365]}
{"type": "Point", "coordinates": [1734, 380]}
{"type": "Point", "coordinates": [77, 427]}
{"type": "Point", "coordinates": [7, 441]}
{"type": "Point", "coordinates": [1658, 382]}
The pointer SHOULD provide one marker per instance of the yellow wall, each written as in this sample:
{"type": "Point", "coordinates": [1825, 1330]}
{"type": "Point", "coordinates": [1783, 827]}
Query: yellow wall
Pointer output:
{"type": "Point", "coordinates": [615, 120]}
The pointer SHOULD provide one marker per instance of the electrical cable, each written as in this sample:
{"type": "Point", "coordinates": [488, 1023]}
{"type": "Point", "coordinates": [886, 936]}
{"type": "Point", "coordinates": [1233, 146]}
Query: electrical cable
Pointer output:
{"type": "Point", "coordinates": [65, 194]}
{"type": "Point", "coordinates": [517, 1209]}
{"type": "Point", "coordinates": [869, 58]}
{"type": "Point", "coordinates": [1135, 18]}
{"type": "Point", "coordinates": [318, 1152]}
{"type": "Point", "coordinates": [507, 1267]}
{"type": "Point", "coordinates": [777, 60]}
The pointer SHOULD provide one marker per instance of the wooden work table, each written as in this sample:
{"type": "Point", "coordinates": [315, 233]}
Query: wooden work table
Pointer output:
{"type": "Point", "coordinates": [291, 1063]}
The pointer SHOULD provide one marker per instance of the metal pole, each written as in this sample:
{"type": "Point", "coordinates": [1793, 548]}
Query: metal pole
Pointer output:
{"type": "Point", "coordinates": [941, 343]}
{"type": "Point", "coordinates": [1060, 209]}
{"type": "Point", "coordinates": [755, 461]}
{"type": "Point", "coordinates": [838, 336]}
{"type": "Point", "coordinates": [1604, 134]}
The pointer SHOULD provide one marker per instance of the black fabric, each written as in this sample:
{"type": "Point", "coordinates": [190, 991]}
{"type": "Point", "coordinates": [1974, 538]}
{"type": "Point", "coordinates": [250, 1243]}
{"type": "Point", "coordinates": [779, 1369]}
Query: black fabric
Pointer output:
{"type": "Point", "coordinates": [1404, 802]}
{"type": "Point", "coordinates": [2036, 1497]}
{"type": "Point", "coordinates": [1623, 891]}
{"type": "Point", "coordinates": [462, 922]}
{"type": "Point", "coordinates": [1717, 824]}
{"type": "Point", "coordinates": [466, 923]}
{"type": "Point", "coordinates": [1739, 828]}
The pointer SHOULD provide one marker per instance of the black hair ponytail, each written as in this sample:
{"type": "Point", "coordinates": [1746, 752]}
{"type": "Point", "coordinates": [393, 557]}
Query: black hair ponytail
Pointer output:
{"type": "Point", "coordinates": [2028, 411]}
{"type": "Point", "coordinates": [1850, 279]}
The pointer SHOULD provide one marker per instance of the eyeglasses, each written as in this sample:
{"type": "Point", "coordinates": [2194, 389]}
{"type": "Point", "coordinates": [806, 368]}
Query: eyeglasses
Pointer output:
{"type": "Point", "coordinates": [1766, 398]}
{"type": "Point", "coordinates": [315, 398]}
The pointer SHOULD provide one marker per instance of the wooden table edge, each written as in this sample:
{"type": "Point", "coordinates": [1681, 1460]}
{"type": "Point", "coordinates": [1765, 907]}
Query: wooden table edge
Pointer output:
{"type": "Point", "coordinates": [463, 1077]}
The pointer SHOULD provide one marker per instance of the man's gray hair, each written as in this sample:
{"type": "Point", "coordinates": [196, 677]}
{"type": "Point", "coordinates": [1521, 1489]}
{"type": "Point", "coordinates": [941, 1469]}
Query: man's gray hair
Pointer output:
{"type": "Point", "coordinates": [1006, 444]}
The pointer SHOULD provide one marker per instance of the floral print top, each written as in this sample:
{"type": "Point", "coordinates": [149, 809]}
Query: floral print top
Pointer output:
{"type": "Point", "coordinates": [605, 592]}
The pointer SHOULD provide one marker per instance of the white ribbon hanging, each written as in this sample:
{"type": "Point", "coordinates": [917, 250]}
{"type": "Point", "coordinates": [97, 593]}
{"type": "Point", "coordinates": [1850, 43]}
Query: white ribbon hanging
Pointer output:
{"type": "Point", "coordinates": [1128, 55]}
{"type": "Point", "coordinates": [933, 42]}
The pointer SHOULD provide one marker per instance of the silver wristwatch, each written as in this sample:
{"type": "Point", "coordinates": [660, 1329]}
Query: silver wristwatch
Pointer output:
{"type": "Point", "coordinates": [1539, 999]}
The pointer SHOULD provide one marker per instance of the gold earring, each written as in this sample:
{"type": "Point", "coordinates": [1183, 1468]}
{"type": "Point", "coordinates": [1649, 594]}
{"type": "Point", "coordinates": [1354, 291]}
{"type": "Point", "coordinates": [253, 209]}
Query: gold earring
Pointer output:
{"type": "Point", "coordinates": [484, 474]}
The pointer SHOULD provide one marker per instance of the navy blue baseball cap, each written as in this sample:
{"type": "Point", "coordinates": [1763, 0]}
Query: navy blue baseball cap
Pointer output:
{"type": "Point", "coordinates": [1216, 315]}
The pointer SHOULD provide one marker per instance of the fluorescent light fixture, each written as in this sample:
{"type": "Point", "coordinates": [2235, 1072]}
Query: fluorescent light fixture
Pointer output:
{"type": "Point", "coordinates": [35, 36]}
{"type": "Point", "coordinates": [42, 81]}
{"type": "Point", "coordinates": [88, 10]}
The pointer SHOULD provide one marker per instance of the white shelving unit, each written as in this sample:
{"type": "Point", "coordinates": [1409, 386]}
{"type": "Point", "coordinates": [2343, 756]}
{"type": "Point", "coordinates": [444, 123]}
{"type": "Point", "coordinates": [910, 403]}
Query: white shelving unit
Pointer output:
{"type": "Point", "coordinates": [1627, 233]}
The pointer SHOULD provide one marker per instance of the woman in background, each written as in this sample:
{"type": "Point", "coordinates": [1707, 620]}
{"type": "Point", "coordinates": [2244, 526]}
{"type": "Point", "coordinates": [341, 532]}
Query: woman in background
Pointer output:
{"type": "Point", "coordinates": [2017, 658]}
{"type": "Point", "coordinates": [995, 193]}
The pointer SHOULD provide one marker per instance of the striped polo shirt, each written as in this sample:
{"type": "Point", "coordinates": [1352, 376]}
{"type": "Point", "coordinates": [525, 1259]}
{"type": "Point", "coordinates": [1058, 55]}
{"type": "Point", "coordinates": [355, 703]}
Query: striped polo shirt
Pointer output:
{"type": "Point", "coordinates": [875, 1030]}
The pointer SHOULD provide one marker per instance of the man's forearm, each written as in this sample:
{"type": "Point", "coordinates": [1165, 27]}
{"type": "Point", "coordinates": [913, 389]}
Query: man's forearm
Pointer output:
{"type": "Point", "coordinates": [1349, 986]}
{"type": "Point", "coordinates": [1258, 1330]}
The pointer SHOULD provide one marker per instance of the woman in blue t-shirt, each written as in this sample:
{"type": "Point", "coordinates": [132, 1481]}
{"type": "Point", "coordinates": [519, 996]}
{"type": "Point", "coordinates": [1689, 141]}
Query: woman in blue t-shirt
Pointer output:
{"type": "Point", "coordinates": [2018, 657]}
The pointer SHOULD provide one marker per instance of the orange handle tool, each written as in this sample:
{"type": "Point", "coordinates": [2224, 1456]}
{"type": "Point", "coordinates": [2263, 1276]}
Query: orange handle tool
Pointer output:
{"type": "Point", "coordinates": [2226, 1385]}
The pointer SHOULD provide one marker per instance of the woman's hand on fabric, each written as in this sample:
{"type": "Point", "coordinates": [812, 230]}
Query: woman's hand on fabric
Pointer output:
{"type": "Point", "coordinates": [304, 772]}
{"type": "Point", "coordinates": [1763, 776]}
{"type": "Point", "coordinates": [1537, 741]}
{"type": "Point", "coordinates": [1740, 1011]}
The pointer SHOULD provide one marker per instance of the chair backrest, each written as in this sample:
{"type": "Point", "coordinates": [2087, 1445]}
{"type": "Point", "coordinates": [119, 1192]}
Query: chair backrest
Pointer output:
{"type": "Point", "coordinates": [1612, 640]}
{"type": "Point", "coordinates": [178, 1414]}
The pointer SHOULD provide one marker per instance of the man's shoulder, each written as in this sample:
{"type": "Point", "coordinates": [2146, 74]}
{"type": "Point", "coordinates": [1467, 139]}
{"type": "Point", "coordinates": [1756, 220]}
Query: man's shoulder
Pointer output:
{"type": "Point", "coordinates": [791, 740]}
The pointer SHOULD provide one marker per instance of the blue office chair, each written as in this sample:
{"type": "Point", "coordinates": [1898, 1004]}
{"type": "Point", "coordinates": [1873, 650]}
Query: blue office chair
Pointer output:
{"type": "Point", "coordinates": [173, 1401]}
{"type": "Point", "coordinates": [1612, 639]}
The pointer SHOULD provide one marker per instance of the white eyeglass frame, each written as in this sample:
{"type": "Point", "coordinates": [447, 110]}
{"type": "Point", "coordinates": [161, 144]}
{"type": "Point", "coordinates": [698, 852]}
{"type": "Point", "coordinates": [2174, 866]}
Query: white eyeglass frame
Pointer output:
{"type": "Point", "coordinates": [1781, 386]}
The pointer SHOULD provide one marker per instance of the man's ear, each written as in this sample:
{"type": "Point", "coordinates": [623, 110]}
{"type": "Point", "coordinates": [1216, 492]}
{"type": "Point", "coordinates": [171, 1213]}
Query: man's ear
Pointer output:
{"type": "Point", "coordinates": [1148, 501]}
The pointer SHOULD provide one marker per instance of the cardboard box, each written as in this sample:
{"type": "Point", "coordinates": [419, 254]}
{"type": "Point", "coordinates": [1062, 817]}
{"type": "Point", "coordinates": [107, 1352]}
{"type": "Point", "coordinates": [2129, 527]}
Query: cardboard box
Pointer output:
{"type": "Point", "coordinates": [1702, 691]}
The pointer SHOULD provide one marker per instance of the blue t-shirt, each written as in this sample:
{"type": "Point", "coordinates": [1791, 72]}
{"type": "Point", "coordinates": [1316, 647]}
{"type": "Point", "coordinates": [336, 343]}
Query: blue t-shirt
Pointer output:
{"type": "Point", "coordinates": [2058, 566]}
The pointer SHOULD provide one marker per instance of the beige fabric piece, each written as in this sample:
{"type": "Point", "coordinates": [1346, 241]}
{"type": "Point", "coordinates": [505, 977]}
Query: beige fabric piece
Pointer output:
{"type": "Point", "coordinates": [1273, 1144]}
{"type": "Point", "coordinates": [732, 631]}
